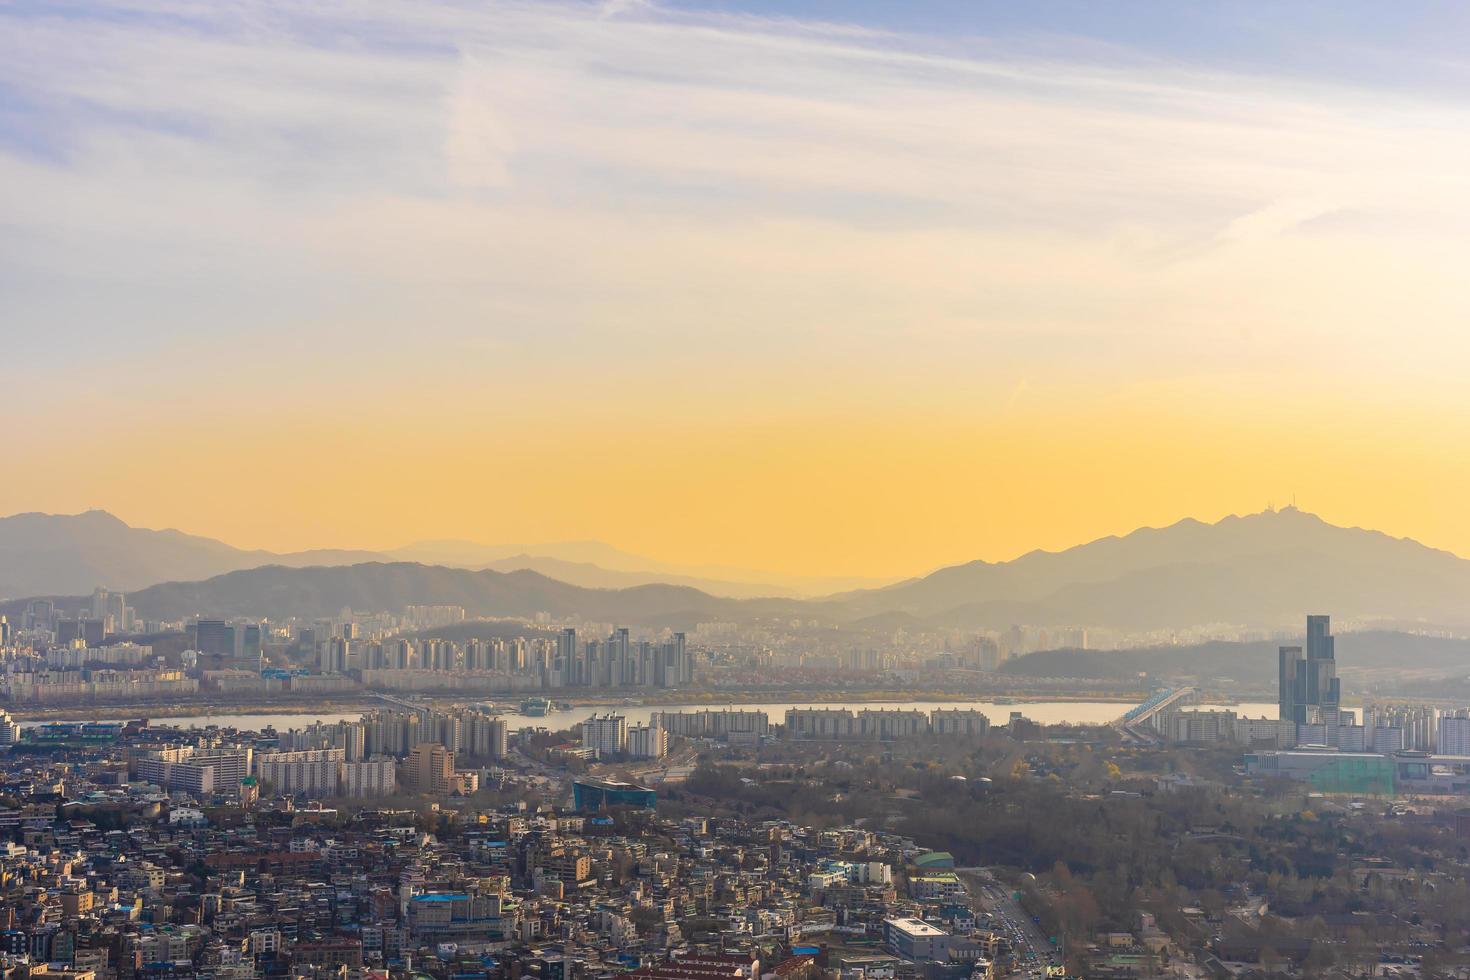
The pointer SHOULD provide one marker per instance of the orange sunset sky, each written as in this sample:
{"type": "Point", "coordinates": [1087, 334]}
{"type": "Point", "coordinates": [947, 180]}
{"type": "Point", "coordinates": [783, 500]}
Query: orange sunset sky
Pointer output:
{"type": "Point", "coordinates": [811, 291]}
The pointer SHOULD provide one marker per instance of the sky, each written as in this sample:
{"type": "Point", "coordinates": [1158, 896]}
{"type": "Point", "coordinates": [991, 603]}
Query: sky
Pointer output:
{"type": "Point", "coordinates": [812, 287]}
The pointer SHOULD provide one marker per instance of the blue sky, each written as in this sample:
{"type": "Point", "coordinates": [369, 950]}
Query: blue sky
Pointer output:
{"type": "Point", "coordinates": [1411, 44]}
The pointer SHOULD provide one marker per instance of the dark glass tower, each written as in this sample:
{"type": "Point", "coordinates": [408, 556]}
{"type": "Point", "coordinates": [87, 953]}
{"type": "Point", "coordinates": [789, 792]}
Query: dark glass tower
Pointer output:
{"type": "Point", "coordinates": [1309, 691]}
{"type": "Point", "coordinates": [1324, 691]}
{"type": "Point", "coordinates": [1292, 692]}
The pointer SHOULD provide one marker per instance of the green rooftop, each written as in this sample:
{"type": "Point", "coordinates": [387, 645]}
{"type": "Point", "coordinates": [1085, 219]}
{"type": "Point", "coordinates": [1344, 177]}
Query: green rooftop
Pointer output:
{"type": "Point", "coordinates": [934, 860]}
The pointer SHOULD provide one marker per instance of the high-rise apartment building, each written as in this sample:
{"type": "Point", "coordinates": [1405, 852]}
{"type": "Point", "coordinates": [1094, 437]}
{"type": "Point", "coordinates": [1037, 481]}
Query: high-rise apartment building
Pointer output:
{"type": "Point", "coordinates": [312, 772]}
{"type": "Point", "coordinates": [9, 728]}
{"type": "Point", "coordinates": [111, 608]}
{"type": "Point", "coordinates": [607, 735]}
{"type": "Point", "coordinates": [350, 736]}
{"type": "Point", "coordinates": [1454, 733]}
{"type": "Point", "coordinates": [431, 769]}
{"type": "Point", "coordinates": [648, 741]}
{"type": "Point", "coordinates": [332, 655]}
{"type": "Point", "coordinates": [200, 771]}
{"type": "Point", "coordinates": [617, 657]}
{"type": "Point", "coordinates": [571, 660]}
{"type": "Point", "coordinates": [371, 777]}
{"type": "Point", "coordinates": [1417, 724]}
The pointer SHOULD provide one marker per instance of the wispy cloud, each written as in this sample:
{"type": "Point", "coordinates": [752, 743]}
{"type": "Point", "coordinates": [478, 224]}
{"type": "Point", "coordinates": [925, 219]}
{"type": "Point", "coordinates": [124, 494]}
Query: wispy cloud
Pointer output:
{"type": "Point", "coordinates": [636, 177]}
{"type": "Point", "coordinates": [780, 271]}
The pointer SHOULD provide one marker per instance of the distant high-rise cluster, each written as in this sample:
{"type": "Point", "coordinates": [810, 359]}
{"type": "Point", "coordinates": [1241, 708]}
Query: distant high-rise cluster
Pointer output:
{"type": "Point", "coordinates": [111, 608]}
{"type": "Point", "coordinates": [521, 663]}
{"type": "Point", "coordinates": [619, 662]}
{"type": "Point", "coordinates": [428, 617]}
{"type": "Point", "coordinates": [610, 736]}
{"type": "Point", "coordinates": [1310, 692]}
{"type": "Point", "coordinates": [466, 732]}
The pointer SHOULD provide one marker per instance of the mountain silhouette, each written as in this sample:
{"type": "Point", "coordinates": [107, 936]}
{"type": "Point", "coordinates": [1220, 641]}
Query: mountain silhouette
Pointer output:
{"type": "Point", "coordinates": [1258, 570]}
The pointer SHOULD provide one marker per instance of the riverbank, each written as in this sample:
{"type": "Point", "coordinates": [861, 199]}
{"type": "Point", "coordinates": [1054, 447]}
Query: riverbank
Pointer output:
{"type": "Point", "coordinates": [689, 699]}
{"type": "Point", "coordinates": [187, 709]}
{"type": "Point", "coordinates": [569, 716]}
{"type": "Point", "coordinates": [685, 699]}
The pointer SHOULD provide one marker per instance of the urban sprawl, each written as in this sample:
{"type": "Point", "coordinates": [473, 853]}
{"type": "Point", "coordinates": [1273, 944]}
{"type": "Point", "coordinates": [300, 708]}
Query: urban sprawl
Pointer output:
{"type": "Point", "coordinates": [447, 836]}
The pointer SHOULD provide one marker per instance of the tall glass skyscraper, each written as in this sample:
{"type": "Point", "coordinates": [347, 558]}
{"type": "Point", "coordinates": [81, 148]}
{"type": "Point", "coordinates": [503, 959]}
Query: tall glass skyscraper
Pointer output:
{"type": "Point", "coordinates": [1310, 692]}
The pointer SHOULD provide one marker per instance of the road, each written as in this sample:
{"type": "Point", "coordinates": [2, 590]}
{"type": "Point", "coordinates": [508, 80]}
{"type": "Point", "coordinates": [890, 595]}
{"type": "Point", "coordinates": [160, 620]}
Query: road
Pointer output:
{"type": "Point", "coordinates": [673, 768]}
{"type": "Point", "coordinates": [1034, 952]}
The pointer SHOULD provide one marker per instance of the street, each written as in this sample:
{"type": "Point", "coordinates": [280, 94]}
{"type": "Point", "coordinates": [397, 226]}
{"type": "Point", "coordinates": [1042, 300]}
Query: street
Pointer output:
{"type": "Point", "coordinates": [1034, 952]}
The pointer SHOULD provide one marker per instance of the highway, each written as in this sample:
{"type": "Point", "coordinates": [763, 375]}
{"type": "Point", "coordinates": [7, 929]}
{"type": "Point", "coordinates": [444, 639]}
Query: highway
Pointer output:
{"type": "Point", "coordinates": [1034, 952]}
{"type": "Point", "coordinates": [672, 768]}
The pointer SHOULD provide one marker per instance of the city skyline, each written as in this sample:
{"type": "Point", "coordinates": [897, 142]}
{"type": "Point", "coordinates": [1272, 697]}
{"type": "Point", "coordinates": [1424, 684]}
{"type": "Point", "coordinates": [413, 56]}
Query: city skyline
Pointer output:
{"type": "Point", "coordinates": [799, 289]}
{"type": "Point", "coordinates": [734, 490]}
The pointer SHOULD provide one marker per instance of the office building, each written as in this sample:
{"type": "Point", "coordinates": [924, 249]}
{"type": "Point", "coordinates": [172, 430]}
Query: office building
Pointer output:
{"type": "Point", "coordinates": [249, 641]}
{"type": "Point", "coordinates": [39, 614]}
{"type": "Point", "coordinates": [597, 794]}
{"type": "Point", "coordinates": [915, 939]}
{"type": "Point", "coordinates": [1309, 692]}
{"type": "Point", "coordinates": [1328, 771]}
{"type": "Point", "coordinates": [214, 636]}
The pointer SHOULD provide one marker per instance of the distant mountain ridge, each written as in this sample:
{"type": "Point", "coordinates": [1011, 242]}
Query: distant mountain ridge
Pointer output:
{"type": "Point", "coordinates": [277, 592]}
{"type": "Point", "coordinates": [593, 576]}
{"type": "Point", "coordinates": [599, 565]}
{"type": "Point", "coordinates": [71, 554]}
{"type": "Point", "coordinates": [1257, 570]}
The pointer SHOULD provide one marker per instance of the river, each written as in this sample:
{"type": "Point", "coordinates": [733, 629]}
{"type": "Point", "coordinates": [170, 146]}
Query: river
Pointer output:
{"type": "Point", "coordinates": [1042, 712]}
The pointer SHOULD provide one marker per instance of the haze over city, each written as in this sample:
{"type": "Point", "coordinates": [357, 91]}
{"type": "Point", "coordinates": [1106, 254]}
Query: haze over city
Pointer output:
{"type": "Point", "coordinates": [734, 490]}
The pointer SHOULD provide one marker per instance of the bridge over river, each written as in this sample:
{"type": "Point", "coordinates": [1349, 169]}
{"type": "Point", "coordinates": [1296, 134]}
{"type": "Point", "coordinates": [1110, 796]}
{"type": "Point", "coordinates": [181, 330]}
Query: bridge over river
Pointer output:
{"type": "Point", "coordinates": [1138, 720]}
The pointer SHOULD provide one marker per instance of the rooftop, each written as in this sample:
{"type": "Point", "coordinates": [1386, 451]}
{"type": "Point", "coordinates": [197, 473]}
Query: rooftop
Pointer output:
{"type": "Point", "coordinates": [913, 927]}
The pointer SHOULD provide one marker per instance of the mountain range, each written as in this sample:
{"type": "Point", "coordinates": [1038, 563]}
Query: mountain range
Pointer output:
{"type": "Point", "coordinates": [597, 565]}
{"type": "Point", "coordinates": [1258, 570]}
{"type": "Point", "coordinates": [71, 554]}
